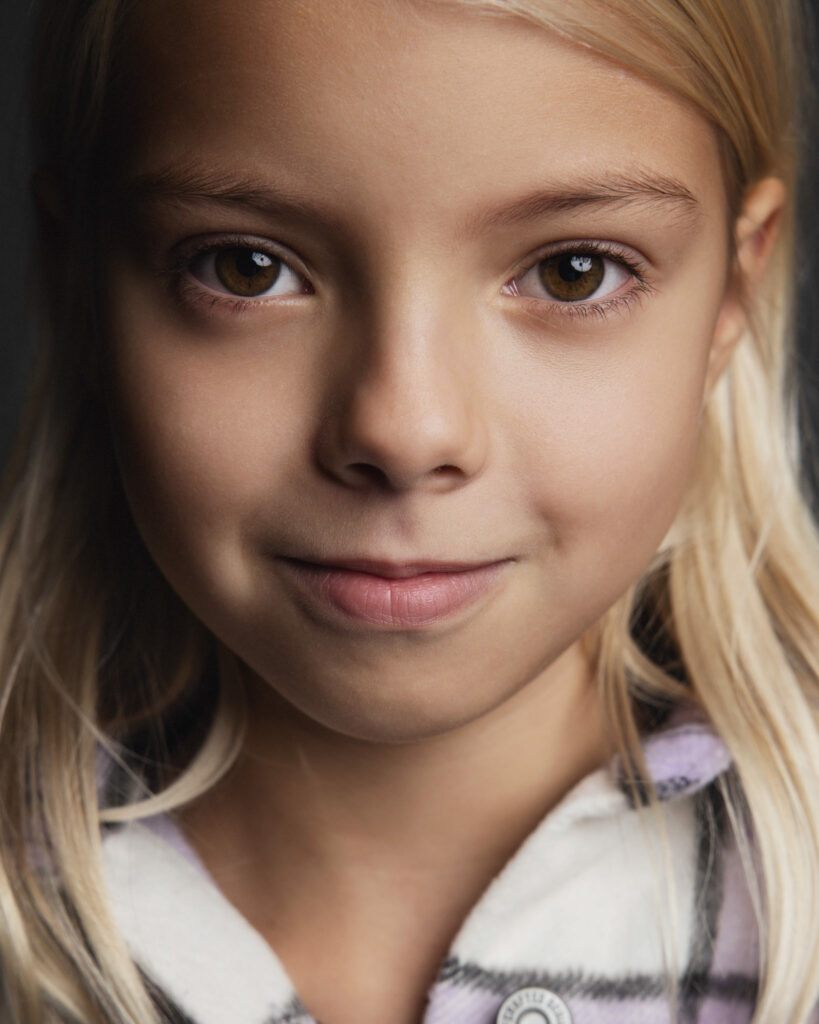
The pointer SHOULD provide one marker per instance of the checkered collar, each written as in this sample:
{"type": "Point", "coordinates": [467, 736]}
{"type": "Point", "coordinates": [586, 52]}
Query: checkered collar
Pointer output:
{"type": "Point", "coordinates": [212, 966]}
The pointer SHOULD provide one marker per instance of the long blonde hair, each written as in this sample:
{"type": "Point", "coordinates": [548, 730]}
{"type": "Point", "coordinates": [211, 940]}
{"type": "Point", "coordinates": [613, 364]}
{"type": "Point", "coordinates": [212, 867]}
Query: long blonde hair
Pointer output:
{"type": "Point", "coordinates": [97, 653]}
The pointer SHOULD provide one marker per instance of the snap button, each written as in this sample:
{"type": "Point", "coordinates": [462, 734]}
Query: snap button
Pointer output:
{"type": "Point", "coordinates": [533, 1006]}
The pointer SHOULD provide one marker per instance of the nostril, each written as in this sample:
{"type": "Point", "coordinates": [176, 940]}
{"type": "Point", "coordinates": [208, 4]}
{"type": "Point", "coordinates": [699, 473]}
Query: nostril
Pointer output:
{"type": "Point", "coordinates": [366, 472]}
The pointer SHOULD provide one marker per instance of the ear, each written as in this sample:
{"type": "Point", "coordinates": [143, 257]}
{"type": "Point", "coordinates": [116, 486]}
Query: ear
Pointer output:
{"type": "Point", "coordinates": [754, 236]}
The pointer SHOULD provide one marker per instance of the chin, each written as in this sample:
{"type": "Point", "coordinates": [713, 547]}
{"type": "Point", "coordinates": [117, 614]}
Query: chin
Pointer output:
{"type": "Point", "coordinates": [399, 711]}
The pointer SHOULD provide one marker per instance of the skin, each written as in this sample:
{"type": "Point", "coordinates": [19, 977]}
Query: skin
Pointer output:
{"type": "Point", "coordinates": [422, 398]}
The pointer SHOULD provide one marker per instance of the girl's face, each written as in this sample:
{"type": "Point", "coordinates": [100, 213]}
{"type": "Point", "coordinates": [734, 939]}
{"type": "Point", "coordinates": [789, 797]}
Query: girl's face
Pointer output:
{"type": "Point", "coordinates": [398, 289]}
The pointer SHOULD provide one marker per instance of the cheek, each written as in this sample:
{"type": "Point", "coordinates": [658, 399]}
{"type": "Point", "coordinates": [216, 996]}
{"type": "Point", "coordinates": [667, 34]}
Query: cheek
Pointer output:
{"type": "Point", "coordinates": [206, 436]}
{"type": "Point", "coordinates": [619, 436]}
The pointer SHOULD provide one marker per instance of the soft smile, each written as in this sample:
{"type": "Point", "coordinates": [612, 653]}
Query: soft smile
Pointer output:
{"type": "Point", "coordinates": [396, 595]}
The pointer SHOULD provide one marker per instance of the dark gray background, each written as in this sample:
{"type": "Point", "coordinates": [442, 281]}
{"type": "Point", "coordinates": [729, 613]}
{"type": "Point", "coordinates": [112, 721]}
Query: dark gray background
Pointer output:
{"type": "Point", "coordinates": [18, 280]}
{"type": "Point", "coordinates": [15, 20]}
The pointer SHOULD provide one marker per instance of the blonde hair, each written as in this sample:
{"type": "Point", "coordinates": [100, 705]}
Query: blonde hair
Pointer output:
{"type": "Point", "coordinates": [733, 591]}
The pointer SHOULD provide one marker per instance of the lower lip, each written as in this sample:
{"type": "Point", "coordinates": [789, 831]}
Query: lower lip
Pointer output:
{"type": "Point", "coordinates": [404, 603]}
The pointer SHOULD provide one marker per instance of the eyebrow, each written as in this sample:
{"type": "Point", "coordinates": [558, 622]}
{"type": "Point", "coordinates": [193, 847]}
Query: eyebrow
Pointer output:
{"type": "Point", "coordinates": [194, 184]}
{"type": "Point", "coordinates": [615, 189]}
{"type": "Point", "coordinates": [197, 184]}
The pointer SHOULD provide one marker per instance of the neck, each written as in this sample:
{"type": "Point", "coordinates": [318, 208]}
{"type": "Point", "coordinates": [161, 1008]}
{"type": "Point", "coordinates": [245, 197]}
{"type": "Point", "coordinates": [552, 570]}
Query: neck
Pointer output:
{"type": "Point", "coordinates": [480, 788]}
{"type": "Point", "coordinates": [309, 817]}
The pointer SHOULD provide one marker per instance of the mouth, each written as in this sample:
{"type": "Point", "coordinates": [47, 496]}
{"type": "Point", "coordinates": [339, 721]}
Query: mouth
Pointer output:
{"type": "Point", "coordinates": [395, 595]}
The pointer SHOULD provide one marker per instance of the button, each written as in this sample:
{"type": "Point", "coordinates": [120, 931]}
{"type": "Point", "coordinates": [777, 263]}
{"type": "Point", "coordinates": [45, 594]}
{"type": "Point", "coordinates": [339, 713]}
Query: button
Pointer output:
{"type": "Point", "coordinates": [533, 1006]}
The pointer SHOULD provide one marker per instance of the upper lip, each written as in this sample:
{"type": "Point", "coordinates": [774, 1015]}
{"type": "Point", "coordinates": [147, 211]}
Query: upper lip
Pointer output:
{"type": "Point", "coordinates": [395, 570]}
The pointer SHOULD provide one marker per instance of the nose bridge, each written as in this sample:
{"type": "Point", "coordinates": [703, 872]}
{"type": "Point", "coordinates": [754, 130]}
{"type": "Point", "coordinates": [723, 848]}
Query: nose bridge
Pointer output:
{"type": "Point", "coordinates": [404, 408]}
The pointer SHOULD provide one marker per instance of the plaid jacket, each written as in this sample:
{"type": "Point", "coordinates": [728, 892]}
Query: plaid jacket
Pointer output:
{"type": "Point", "coordinates": [577, 929]}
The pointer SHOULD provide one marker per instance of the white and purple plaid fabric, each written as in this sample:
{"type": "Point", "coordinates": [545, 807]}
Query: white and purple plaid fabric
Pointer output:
{"type": "Point", "coordinates": [587, 910]}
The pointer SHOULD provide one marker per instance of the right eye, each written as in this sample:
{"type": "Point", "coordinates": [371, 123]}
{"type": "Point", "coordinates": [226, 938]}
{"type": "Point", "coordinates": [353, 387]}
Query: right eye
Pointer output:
{"type": "Point", "coordinates": [246, 272]}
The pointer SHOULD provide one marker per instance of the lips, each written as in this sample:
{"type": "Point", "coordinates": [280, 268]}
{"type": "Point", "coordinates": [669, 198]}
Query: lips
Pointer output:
{"type": "Point", "coordinates": [395, 595]}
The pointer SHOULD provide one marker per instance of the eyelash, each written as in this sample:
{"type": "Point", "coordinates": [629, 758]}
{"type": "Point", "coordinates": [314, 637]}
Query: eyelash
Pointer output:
{"type": "Point", "coordinates": [192, 292]}
{"type": "Point", "coordinates": [599, 309]}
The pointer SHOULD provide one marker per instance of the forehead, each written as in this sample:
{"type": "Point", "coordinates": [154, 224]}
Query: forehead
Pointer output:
{"type": "Point", "coordinates": [396, 102]}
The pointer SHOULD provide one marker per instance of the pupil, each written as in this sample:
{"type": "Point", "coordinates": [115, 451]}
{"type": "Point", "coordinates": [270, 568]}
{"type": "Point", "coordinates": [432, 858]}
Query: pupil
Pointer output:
{"type": "Point", "coordinates": [247, 272]}
{"type": "Point", "coordinates": [250, 263]}
{"type": "Point", "coordinates": [572, 268]}
{"type": "Point", "coordinates": [573, 276]}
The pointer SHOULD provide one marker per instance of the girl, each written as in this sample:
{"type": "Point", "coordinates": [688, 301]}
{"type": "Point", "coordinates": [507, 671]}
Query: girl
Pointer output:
{"type": "Point", "coordinates": [404, 566]}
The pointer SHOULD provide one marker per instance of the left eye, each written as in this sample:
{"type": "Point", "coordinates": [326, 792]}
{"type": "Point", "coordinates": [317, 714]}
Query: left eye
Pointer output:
{"type": "Point", "coordinates": [573, 276]}
{"type": "Point", "coordinates": [246, 272]}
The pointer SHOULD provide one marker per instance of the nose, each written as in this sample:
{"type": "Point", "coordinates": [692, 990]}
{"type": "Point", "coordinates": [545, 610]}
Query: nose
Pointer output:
{"type": "Point", "coordinates": [404, 405]}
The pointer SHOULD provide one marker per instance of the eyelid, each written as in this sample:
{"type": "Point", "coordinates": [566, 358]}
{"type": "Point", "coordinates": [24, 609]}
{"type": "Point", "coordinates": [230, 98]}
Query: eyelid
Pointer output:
{"type": "Point", "coordinates": [615, 251]}
{"type": "Point", "coordinates": [635, 265]}
{"type": "Point", "coordinates": [192, 291]}
{"type": "Point", "coordinates": [186, 253]}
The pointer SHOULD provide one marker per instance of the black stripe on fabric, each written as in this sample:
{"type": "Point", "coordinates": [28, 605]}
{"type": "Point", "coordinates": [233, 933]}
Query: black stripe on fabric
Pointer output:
{"type": "Point", "coordinates": [727, 987]}
{"type": "Point", "coordinates": [295, 1013]}
{"type": "Point", "coordinates": [708, 892]}
{"type": "Point", "coordinates": [641, 793]}
{"type": "Point", "coordinates": [169, 1012]}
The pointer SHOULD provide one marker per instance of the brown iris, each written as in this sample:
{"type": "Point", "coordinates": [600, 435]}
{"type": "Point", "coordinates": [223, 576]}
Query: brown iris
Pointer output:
{"type": "Point", "coordinates": [246, 272]}
{"type": "Point", "coordinates": [572, 276]}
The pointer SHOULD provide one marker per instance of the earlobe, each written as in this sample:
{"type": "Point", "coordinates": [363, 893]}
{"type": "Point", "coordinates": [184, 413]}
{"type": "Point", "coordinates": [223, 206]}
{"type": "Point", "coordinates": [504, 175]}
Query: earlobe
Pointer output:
{"type": "Point", "coordinates": [754, 237]}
